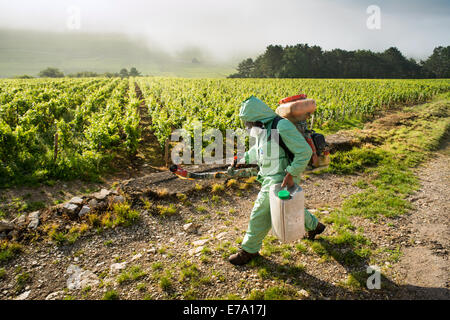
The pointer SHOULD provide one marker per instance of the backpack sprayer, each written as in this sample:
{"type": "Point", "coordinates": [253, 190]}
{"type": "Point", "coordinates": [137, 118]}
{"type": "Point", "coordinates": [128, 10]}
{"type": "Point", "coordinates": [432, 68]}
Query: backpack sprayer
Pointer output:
{"type": "Point", "coordinates": [320, 158]}
{"type": "Point", "coordinates": [289, 106]}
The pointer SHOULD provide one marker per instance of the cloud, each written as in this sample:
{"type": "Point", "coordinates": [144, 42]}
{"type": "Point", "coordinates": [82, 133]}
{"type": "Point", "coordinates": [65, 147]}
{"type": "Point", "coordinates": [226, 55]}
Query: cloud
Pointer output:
{"type": "Point", "coordinates": [245, 27]}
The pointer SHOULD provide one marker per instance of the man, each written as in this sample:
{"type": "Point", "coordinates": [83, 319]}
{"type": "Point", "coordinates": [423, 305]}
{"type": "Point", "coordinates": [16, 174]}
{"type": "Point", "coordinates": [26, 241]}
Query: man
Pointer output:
{"type": "Point", "coordinates": [273, 169]}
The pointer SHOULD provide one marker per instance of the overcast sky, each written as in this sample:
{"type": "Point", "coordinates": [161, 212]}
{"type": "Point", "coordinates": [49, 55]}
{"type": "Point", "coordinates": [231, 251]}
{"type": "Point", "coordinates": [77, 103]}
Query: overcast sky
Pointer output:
{"type": "Point", "coordinates": [236, 27]}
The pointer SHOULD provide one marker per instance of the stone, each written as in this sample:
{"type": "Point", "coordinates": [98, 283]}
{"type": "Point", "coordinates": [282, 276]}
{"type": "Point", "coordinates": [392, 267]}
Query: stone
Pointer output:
{"type": "Point", "coordinates": [136, 257]}
{"type": "Point", "coordinates": [76, 200]}
{"type": "Point", "coordinates": [190, 228]}
{"type": "Point", "coordinates": [221, 235]}
{"type": "Point", "coordinates": [34, 220]}
{"type": "Point", "coordinates": [70, 208]}
{"type": "Point", "coordinates": [54, 295]}
{"type": "Point", "coordinates": [303, 293]}
{"type": "Point", "coordinates": [102, 194]}
{"type": "Point", "coordinates": [200, 242]}
{"type": "Point", "coordinates": [118, 199]}
{"type": "Point", "coordinates": [6, 226]}
{"type": "Point", "coordinates": [79, 278]}
{"type": "Point", "coordinates": [93, 203]}
{"type": "Point", "coordinates": [23, 296]}
{"type": "Point", "coordinates": [84, 211]}
{"type": "Point", "coordinates": [116, 267]}
{"type": "Point", "coordinates": [20, 220]}
{"type": "Point", "coordinates": [195, 250]}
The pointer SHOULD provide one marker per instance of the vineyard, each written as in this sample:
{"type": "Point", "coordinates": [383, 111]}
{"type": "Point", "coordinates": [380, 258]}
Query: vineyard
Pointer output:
{"type": "Point", "coordinates": [66, 128]}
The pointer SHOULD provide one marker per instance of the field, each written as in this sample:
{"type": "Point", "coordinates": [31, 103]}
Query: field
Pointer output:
{"type": "Point", "coordinates": [150, 236]}
{"type": "Point", "coordinates": [66, 129]}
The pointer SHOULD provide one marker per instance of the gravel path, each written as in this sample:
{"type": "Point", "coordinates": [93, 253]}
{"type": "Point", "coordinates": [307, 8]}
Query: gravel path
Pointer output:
{"type": "Point", "coordinates": [424, 267]}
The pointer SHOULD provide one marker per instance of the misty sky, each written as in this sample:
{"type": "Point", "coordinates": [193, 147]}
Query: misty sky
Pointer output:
{"type": "Point", "coordinates": [236, 28]}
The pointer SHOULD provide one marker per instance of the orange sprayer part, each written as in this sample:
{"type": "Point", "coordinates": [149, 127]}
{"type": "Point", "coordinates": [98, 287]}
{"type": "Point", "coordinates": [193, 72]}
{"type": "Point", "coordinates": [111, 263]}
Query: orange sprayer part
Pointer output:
{"type": "Point", "coordinates": [292, 98]}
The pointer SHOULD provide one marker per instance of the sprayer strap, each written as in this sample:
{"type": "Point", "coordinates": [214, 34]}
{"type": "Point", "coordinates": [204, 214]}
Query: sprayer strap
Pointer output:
{"type": "Point", "coordinates": [278, 139]}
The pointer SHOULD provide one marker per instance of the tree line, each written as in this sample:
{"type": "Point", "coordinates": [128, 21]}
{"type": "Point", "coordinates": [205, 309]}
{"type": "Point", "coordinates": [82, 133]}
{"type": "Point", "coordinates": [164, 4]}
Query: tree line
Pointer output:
{"type": "Point", "coordinates": [304, 61]}
{"type": "Point", "coordinates": [51, 72]}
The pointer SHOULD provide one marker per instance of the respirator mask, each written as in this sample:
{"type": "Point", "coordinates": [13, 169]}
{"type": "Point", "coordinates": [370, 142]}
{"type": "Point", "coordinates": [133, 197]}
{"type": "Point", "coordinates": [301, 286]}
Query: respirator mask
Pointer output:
{"type": "Point", "coordinates": [255, 129]}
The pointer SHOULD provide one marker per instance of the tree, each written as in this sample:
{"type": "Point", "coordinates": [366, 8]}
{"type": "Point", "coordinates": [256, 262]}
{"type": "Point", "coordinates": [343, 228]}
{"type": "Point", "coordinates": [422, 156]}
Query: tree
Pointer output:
{"type": "Point", "coordinates": [303, 61]}
{"type": "Point", "coordinates": [438, 64]}
{"type": "Point", "coordinates": [51, 73]}
{"type": "Point", "coordinates": [271, 61]}
{"type": "Point", "coordinates": [124, 73]}
{"type": "Point", "coordinates": [134, 72]}
{"type": "Point", "coordinates": [246, 68]}
{"type": "Point", "coordinates": [295, 62]}
{"type": "Point", "coordinates": [25, 76]}
{"type": "Point", "coordinates": [83, 74]}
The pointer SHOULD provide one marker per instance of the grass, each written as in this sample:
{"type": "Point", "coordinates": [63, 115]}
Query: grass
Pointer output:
{"type": "Point", "coordinates": [273, 293]}
{"type": "Point", "coordinates": [22, 280]}
{"type": "Point", "coordinates": [9, 250]}
{"type": "Point", "coordinates": [226, 249]}
{"type": "Point", "coordinates": [132, 274]}
{"type": "Point", "coordinates": [388, 165]}
{"type": "Point", "coordinates": [189, 271]}
{"type": "Point", "coordinates": [157, 266]}
{"type": "Point", "coordinates": [232, 183]}
{"type": "Point", "coordinates": [111, 295]}
{"type": "Point", "coordinates": [167, 210]}
{"type": "Point", "coordinates": [201, 209]}
{"type": "Point", "coordinates": [124, 215]}
{"type": "Point", "coordinates": [62, 237]}
{"type": "Point", "coordinates": [165, 283]}
{"type": "Point", "coordinates": [147, 203]}
{"type": "Point", "coordinates": [355, 281]}
{"type": "Point", "coordinates": [217, 188]}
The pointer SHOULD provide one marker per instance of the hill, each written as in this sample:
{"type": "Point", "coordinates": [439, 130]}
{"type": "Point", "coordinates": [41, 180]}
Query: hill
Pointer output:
{"type": "Point", "coordinates": [28, 52]}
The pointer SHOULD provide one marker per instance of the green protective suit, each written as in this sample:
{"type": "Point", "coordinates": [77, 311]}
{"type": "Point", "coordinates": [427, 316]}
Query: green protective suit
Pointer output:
{"type": "Point", "coordinates": [273, 164]}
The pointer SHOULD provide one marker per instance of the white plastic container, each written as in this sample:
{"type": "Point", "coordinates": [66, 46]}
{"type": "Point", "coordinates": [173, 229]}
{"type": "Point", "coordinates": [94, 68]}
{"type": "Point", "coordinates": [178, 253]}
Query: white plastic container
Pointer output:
{"type": "Point", "coordinates": [288, 215]}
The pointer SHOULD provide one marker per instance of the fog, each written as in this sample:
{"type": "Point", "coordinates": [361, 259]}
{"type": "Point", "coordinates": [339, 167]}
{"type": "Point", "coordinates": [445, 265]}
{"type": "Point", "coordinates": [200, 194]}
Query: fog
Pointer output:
{"type": "Point", "coordinates": [233, 29]}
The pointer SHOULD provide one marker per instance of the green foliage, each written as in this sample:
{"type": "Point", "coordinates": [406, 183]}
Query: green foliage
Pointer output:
{"type": "Point", "coordinates": [8, 250]}
{"type": "Point", "coordinates": [111, 295]}
{"type": "Point", "coordinates": [304, 61]}
{"type": "Point", "coordinates": [132, 274]}
{"type": "Point", "coordinates": [355, 160]}
{"type": "Point", "coordinates": [273, 293]}
{"type": "Point", "coordinates": [21, 281]}
{"type": "Point", "coordinates": [51, 73]}
{"type": "Point", "coordinates": [167, 210]}
{"type": "Point", "coordinates": [124, 214]}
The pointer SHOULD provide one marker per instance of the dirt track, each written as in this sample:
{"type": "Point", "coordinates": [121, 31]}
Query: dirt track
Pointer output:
{"type": "Point", "coordinates": [424, 267]}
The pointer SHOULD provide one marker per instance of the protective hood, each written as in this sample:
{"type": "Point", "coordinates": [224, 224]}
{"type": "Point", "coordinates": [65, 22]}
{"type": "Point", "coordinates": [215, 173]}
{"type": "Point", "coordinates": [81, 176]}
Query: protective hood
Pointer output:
{"type": "Point", "coordinates": [253, 110]}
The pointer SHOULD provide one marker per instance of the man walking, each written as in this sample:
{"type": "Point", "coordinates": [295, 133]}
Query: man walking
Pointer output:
{"type": "Point", "coordinates": [274, 167]}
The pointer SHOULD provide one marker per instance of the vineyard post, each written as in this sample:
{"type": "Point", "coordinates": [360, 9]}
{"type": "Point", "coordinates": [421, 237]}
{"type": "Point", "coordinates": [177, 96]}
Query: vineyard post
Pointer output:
{"type": "Point", "coordinates": [166, 148]}
{"type": "Point", "coordinates": [166, 152]}
{"type": "Point", "coordinates": [55, 156]}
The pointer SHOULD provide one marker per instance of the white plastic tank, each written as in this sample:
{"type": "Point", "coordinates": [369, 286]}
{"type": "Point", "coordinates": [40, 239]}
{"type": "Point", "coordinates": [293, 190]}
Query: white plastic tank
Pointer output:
{"type": "Point", "coordinates": [287, 212]}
